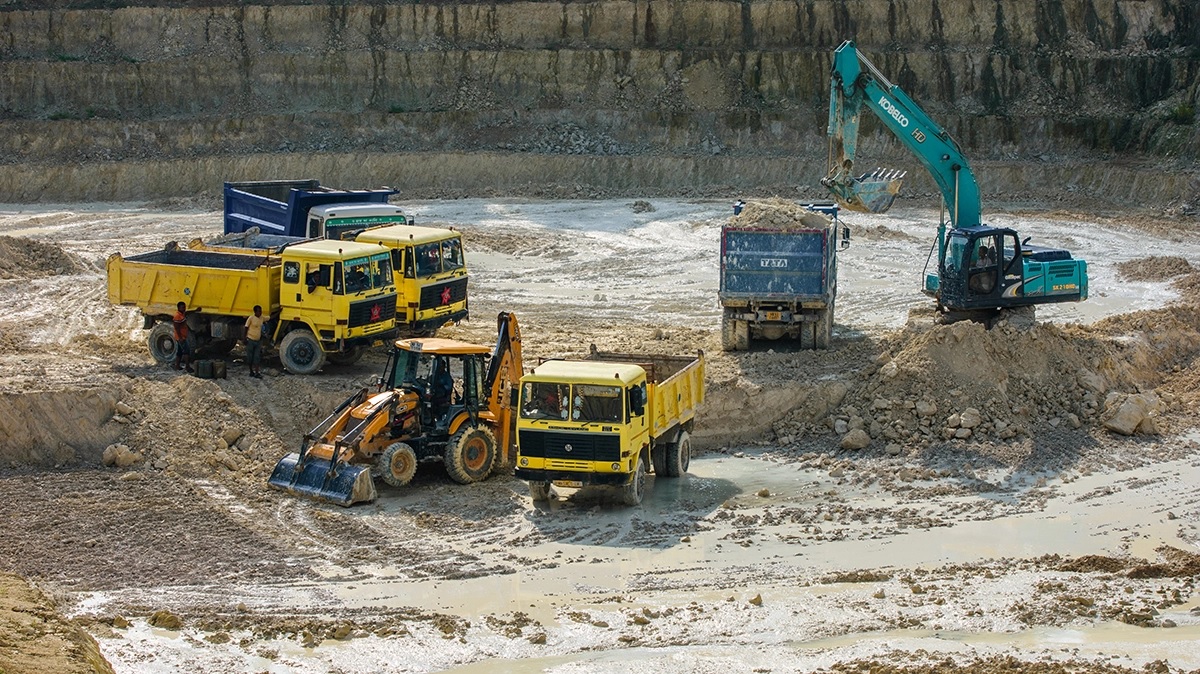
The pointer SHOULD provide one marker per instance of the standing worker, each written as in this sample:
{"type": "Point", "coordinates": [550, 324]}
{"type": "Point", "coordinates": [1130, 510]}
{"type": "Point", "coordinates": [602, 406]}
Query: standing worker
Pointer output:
{"type": "Point", "coordinates": [183, 345]}
{"type": "Point", "coordinates": [254, 330]}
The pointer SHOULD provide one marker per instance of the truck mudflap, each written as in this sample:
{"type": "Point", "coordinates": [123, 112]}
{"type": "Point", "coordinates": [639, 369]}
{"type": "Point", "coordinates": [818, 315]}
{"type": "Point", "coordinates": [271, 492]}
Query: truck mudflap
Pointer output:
{"type": "Point", "coordinates": [577, 479]}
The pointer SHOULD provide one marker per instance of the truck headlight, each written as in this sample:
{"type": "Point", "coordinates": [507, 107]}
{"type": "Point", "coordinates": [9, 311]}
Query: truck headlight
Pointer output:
{"type": "Point", "coordinates": [616, 467]}
{"type": "Point", "coordinates": [524, 461]}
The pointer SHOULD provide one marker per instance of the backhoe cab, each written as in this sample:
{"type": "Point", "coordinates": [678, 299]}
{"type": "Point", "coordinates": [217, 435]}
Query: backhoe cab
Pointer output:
{"type": "Point", "coordinates": [438, 399]}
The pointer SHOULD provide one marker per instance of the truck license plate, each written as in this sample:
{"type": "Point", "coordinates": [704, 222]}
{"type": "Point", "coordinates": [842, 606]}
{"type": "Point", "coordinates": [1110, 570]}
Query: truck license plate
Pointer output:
{"type": "Point", "coordinates": [774, 315]}
{"type": "Point", "coordinates": [568, 483]}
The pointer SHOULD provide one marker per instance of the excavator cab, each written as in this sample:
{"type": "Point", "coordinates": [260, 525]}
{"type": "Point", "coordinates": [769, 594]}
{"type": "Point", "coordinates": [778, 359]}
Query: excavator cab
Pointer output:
{"type": "Point", "coordinates": [981, 268]}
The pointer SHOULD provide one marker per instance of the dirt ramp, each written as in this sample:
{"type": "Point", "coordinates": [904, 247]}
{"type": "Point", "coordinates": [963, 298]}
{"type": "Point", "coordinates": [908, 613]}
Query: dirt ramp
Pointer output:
{"type": "Point", "coordinates": [48, 428]}
{"type": "Point", "coordinates": [22, 258]}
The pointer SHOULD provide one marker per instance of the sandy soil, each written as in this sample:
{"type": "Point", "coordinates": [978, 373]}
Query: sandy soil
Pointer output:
{"type": "Point", "coordinates": [990, 523]}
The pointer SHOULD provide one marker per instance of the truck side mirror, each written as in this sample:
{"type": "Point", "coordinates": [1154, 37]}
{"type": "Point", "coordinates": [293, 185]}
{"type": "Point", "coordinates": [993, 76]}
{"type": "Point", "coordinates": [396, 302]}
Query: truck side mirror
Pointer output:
{"type": "Point", "coordinates": [845, 242]}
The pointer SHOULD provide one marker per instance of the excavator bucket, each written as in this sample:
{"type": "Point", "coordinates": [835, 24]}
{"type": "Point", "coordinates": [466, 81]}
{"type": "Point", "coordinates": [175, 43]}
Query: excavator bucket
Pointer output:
{"type": "Point", "coordinates": [324, 480]}
{"type": "Point", "coordinates": [873, 192]}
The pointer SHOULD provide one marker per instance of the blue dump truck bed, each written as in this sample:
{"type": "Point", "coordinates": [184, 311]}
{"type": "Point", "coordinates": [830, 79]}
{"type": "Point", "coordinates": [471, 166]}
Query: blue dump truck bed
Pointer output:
{"type": "Point", "coordinates": [282, 206]}
{"type": "Point", "coordinates": [779, 275]}
{"type": "Point", "coordinates": [767, 264]}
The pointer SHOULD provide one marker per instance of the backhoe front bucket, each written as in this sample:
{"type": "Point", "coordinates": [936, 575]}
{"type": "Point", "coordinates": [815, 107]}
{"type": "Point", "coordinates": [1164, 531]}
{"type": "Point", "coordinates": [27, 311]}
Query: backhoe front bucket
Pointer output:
{"type": "Point", "coordinates": [319, 479]}
{"type": "Point", "coordinates": [873, 192]}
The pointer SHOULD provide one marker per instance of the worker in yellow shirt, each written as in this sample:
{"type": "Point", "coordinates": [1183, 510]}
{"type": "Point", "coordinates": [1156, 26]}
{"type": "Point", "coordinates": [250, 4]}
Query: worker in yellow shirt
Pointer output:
{"type": "Point", "coordinates": [254, 330]}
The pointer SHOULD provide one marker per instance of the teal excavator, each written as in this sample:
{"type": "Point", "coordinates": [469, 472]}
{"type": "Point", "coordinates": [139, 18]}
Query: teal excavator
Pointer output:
{"type": "Point", "coordinates": [982, 271]}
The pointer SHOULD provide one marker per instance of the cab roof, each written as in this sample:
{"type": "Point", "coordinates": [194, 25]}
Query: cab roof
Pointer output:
{"type": "Point", "coordinates": [396, 234]}
{"type": "Point", "coordinates": [439, 345]}
{"type": "Point", "coordinates": [334, 250]}
{"type": "Point", "coordinates": [355, 210]}
{"type": "Point", "coordinates": [587, 372]}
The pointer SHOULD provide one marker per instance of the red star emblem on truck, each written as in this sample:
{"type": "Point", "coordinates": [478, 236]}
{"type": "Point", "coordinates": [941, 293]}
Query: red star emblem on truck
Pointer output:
{"type": "Point", "coordinates": [446, 295]}
{"type": "Point", "coordinates": [376, 313]}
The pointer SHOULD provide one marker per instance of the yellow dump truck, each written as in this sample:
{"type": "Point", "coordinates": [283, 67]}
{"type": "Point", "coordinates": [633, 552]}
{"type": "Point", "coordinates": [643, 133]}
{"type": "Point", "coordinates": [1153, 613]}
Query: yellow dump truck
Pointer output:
{"type": "Point", "coordinates": [428, 262]}
{"type": "Point", "coordinates": [325, 299]}
{"type": "Point", "coordinates": [605, 419]}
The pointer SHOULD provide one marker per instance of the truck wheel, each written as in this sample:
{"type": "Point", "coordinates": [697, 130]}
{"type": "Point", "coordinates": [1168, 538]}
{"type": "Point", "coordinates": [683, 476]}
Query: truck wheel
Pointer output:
{"type": "Point", "coordinates": [162, 342]}
{"type": "Point", "coordinates": [679, 455]}
{"type": "Point", "coordinates": [539, 491]}
{"type": "Point", "coordinates": [348, 357]}
{"type": "Point", "coordinates": [632, 493]}
{"type": "Point", "coordinates": [728, 338]}
{"type": "Point", "coordinates": [470, 454]}
{"type": "Point", "coordinates": [397, 464]}
{"type": "Point", "coordinates": [658, 458]}
{"type": "Point", "coordinates": [824, 328]}
{"type": "Point", "coordinates": [301, 352]}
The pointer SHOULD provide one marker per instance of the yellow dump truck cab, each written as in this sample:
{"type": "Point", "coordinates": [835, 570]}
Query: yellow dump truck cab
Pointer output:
{"type": "Point", "coordinates": [336, 298]}
{"type": "Point", "coordinates": [431, 275]}
{"type": "Point", "coordinates": [343, 222]}
{"type": "Point", "coordinates": [323, 298]}
{"type": "Point", "coordinates": [602, 422]}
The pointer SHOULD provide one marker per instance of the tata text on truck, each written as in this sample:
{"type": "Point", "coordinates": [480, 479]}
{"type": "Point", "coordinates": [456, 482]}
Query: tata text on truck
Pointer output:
{"type": "Point", "coordinates": [606, 421]}
{"type": "Point", "coordinates": [326, 299]}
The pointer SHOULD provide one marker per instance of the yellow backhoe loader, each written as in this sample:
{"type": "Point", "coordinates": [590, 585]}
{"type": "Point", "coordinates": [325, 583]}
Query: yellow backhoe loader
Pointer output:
{"type": "Point", "coordinates": [437, 398]}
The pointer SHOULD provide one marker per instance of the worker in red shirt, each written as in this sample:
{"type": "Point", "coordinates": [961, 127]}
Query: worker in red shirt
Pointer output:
{"type": "Point", "coordinates": [183, 344]}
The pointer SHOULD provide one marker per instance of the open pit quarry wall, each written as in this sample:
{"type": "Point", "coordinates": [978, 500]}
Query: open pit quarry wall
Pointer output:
{"type": "Point", "coordinates": [102, 101]}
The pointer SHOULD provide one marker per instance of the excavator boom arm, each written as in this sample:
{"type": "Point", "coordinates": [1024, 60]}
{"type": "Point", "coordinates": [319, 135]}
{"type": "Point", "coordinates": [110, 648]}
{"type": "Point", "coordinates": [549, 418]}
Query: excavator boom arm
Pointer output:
{"type": "Point", "coordinates": [855, 83]}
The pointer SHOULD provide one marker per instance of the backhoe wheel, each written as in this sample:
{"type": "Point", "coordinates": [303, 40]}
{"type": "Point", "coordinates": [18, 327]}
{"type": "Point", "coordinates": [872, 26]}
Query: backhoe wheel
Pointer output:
{"type": "Point", "coordinates": [397, 464]}
{"type": "Point", "coordinates": [162, 342]}
{"type": "Point", "coordinates": [539, 491]}
{"type": "Point", "coordinates": [632, 493]}
{"type": "Point", "coordinates": [348, 357]}
{"type": "Point", "coordinates": [301, 352]}
{"type": "Point", "coordinates": [470, 454]}
{"type": "Point", "coordinates": [679, 455]}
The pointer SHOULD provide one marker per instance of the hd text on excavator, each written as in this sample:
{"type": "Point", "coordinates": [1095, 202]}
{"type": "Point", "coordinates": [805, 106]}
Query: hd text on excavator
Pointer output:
{"type": "Point", "coordinates": [982, 272]}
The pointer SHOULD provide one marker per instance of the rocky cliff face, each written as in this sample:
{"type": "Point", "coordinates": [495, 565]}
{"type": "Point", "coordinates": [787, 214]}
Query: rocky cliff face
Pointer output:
{"type": "Point", "coordinates": [623, 95]}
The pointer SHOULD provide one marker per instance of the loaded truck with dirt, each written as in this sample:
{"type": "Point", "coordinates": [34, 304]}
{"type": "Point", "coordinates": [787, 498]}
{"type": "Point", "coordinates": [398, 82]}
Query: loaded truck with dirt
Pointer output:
{"type": "Point", "coordinates": [325, 299]}
{"type": "Point", "coordinates": [437, 399]}
{"type": "Point", "coordinates": [779, 274]}
{"type": "Point", "coordinates": [428, 264]}
{"type": "Point", "coordinates": [306, 209]}
{"type": "Point", "coordinates": [605, 420]}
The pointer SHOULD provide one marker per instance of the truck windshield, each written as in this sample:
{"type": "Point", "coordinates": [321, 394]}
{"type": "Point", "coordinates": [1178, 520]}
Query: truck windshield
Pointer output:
{"type": "Point", "coordinates": [452, 257]}
{"type": "Point", "coordinates": [592, 402]}
{"type": "Point", "coordinates": [365, 273]}
{"type": "Point", "coordinates": [544, 400]}
{"type": "Point", "coordinates": [439, 256]}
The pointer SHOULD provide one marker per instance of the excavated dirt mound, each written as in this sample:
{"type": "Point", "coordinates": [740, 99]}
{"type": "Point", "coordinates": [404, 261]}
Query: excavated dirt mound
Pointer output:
{"type": "Point", "coordinates": [22, 258]}
{"type": "Point", "coordinates": [1155, 268]}
{"type": "Point", "coordinates": [779, 214]}
{"type": "Point", "coordinates": [35, 637]}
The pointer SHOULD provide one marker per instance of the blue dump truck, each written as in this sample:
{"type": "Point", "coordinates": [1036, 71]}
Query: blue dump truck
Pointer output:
{"type": "Point", "coordinates": [779, 274]}
{"type": "Point", "coordinates": [306, 209]}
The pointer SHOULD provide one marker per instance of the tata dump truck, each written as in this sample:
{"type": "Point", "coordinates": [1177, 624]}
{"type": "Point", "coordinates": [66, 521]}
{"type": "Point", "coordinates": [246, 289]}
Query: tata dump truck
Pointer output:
{"type": "Point", "coordinates": [607, 420]}
{"type": "Point", "coordinates": [779, 275]}
{"type": "Point", "coordinates": [438, 399]}
{"type": "Point", "coordinates": [325, 299]}
{"type": "Point", "coordinates": [306, 209]}
{"type": "Point", "coordinates": [428, 263]}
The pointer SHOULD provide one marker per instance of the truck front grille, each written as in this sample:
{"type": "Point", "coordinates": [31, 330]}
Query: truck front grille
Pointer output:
{"type": "Point", "coordinates": [436, 295]}
{"type": "Point", "coordinates": [372, 311]}
{"type": "Point", "coordinates": [571, 446]}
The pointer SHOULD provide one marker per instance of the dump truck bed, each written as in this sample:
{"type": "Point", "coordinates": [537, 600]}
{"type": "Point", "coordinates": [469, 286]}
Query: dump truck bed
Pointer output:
{"type": "Point", "coordinates": [213, 282]}
{"type": "Point", "coordinates": [675, 385]}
